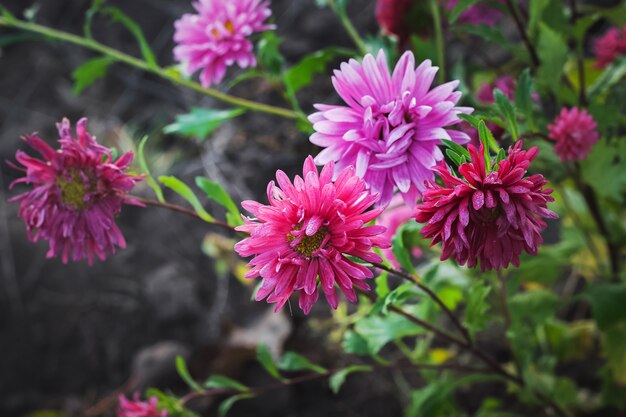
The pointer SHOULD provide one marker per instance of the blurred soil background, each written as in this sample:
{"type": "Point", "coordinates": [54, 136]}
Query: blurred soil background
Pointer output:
{"type": "Point", "coordinates": [71, 336]}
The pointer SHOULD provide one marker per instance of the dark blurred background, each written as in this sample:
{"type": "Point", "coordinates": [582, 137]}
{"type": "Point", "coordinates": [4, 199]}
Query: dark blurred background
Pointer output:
{"type": "Point", "coordinates": [72, 337]}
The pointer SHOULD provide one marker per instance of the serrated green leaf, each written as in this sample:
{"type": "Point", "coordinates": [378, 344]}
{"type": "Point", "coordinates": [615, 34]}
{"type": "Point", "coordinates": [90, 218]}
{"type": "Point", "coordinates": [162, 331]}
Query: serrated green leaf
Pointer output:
{"type": "Point", "coordinates": [338, 378]}
{"type": "Point", "coordinates": [146, 170]}
{"type": "Point", "coordinates": [183, 372]}
{"type": "Point", "coordinates": [354, 343]}
{"type": "Point", "coordinates": [476, 317]}
{"type": "Point", "coordinates": [460, 150]}
{"type": "Point", "coordinates": [185, 192]}
{"type": "Point", "coordinates": [264, 357]}
{"type": "Point", "coordinates": [523, 96]}
{"type": "Point", "coordinates": [268, 53]}
{"type": "Point", "coordinates": [301, 74]}
{"type": "Point", "coordinates": [228, 403]}
{"type": "Point", "coordinates": [89, 72]}
{"type": "Point", "coordinates": [460, 7]}
{"type": "Point", "coordinates": [378, 330]}
{"type": "Point", "coordinates": [292, 361]}
{"type": "Point", "coordinates": [120, 17]}
{"type": "Point", "coordinates": [605, 172]}
{"type": "Point", "coordinates": [401, 252]}
{"type": "Point", "coordinates": [455, 157]}
{"type": "Point", "coordinates": [221, 381]}
{"type": "Point", "coordinates": [607, 303]}
{"type": "Point", "coordinates": [215, 192]}
{"type": "Point", "coordinates": [200, 122]}
{"type": "Point", "coordinates": [552, 51]}
{"type": "Point", "coordinates": [507, 111]}
{"type": "Point", "coordinates": [471, 119]}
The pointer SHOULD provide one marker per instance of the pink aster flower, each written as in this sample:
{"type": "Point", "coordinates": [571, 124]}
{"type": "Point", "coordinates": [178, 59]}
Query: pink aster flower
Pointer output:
{"type": "Point", "coordinates": [478, 14]}
{"type": "Point", "coordinates": [136, 408]}
{"type": "Point", "coordinates": [505, 83]}
{"type": "Point", "coordinates": [610, 46]}
{"type": "Point", "coordinates": [574, 132]}
{"type": "Point", "coordinates": [391, 15]}
{"type": "Point", "coordinates": [491, 217]}
{"type": "Point", "coordinates": [304, 236]}
{"type": "Point", "coordinates": [394, 216]}
{"type": "Point", "coordinates": [218, 36]}
{"type": "Point", "coordinates": [391, 125]}
{"type": "Point", "coordinates": [77, 192]}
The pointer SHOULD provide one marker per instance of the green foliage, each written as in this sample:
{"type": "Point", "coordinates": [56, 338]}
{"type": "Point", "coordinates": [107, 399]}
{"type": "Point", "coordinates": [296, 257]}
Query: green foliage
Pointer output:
{"type": "Point", "coordinates": [605, 169]}
{"type": "Point", "coordinates": [89, 72]}
{"type": "Point", "coordinates": [553, 52]}
{"type": "Point", "coordinates": [301, 74]}
{"type": "Point", "coordinates": [221, 381]}
{"type": "Point", "coordinates": [120, 17]}
{"type": "Point", "coordinates": [401, 252]}
{"type": "Point", "coordinates": [216, 192]}
{"type": "Point", "coordinates": [170, 403]}
{"type": "Point", "coordinates": [183, 372]}
{"type": "Point", "coordinates": [534, 307]}
{"type": "Point", "coordinates": [613, 74]}
{"type": "Point", "coordinates": [507, 111]}
{"type": "Point", "coordinates": [185, 192]}
{"type": "Point", "coordinates": [292, 361]}
{"type": "Point", "coordinates": [489, 34]}
{"type": "Point", "coordinates": [379, 330]}
{"type": "Point", "coordinates": [201, 122]}
{"type": "Point", "coordinates": [460, 7]}
{"type": "Point", "coordinates": [337, 380]}
{"type": "Point", "coordinates": [228, 403]}
{"type": "Point", "coordinates": [477, 306]}
{"type": "Point", "coordinates": [355, 343]}
{"type": "Point", "coordinates": [523, 96]}
{"type": "Point", "coordinates": [264, 357]}
{"type": "Point", "coordinates": [141, 155]}
{"type": "Point", "coordinates": [268, 53]}
{"type": "Point", "coordinates": [607, 303]}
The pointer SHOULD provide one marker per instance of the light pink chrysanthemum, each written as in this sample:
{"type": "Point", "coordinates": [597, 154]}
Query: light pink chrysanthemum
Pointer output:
{"type": "Point", "coordinates": [392, 125]}
{"type": "Point", "coordinates": [306, 233]}
{"type": "Point", "coordinates": [217, 37]}
{"type": "Point", "coordinates": [574, 132]}
{"type": "Point", "coordinates": [491, 217]}
{"type": "Point", "coordinates": [136, 408]}
{"type": "Point", "coordinates": [394, 216]}
{"type": "Point", "coordinates": [478, 14]}
{"type": "Point", "coordinates": [78, 191]}
{"type": "Point", "coordinates": [610, 46]}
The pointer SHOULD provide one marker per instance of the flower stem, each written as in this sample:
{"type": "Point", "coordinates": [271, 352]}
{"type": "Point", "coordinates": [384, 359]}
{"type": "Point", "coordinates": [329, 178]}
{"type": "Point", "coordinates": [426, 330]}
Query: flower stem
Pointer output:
{"type": "Point", "coordinates": [441, 55]}
{"type": "Point", "coordinates": [534, 58]}
{"type": "Point", "coordinates": [119, 56]}
{"type": "Point", "coordinates": [348, 26]}
{"type": "Point", "coordinates": [580, 63]}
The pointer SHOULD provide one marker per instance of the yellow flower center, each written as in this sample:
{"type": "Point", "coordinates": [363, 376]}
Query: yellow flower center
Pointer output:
{"type": "Point", "coordinates": [73, 191]}
{"type": "Point", "coordinates": [228, 26]}
{"type": "Point", "coordinates": [308, 244]}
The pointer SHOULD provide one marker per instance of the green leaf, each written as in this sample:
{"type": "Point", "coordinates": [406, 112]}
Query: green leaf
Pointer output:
{"type": "Point", "coordinates": [605, 172]}
{"type": "Point", "coordinates": [96, 6]}
{"type": "Point", "coordinates": [535, 307]}
{"type": "Point", "coordinates": [613, 74]}
{"type": "Point", "coordinates": [507, 111]}
{"type": "Point", "coordinates": [458, 149]}
{"type": "Point", "coordinates": [291, 361]}
{"type": "Point", "coordinates": [401, 252]}
{"type": "Point", "coordinates": [264, 357]}
{"type": "Point", "coordinates": [89, 72]}
{"type": "Point", "coordinates": [523, 96]}
{"type": "Point", "coordinates": [476, 318]}
{"type": "Point", "coordinates": [146, 170]}
{"type": "Point", "coordinates": [268, 53]}
{"type": "Point", "coordinates": [181, 367]}
{"type": "Point", "coordinates": [200, 122]}
{"type": "Point", "coordinates": [338, 378]}
{"type": "Point", "coordinates": [489, 142]}
{"type": "Point", "coordinates": [536, 9]}
{"type": "Point", "coordinates": [228, 403]}
{"type": "Point", "coordinates": [553, 52]}
{"type": "Point", "coordinates": [215, 192]}
{"type": "Point", "coordinates": [221, 381]}
{"type": "Point", "coordinates": [7, 15]}
{"type": "Point", "coordinates": [379, 330]}
{"type": "Point", "coordinates": [170, 403]}
{"type": "Point", "coordinates": [120, 17]}
{"type": "Point", "coordinates": [608, 303]}
{"type": "Point", "coordinates": [490, 34]}
{"type": "Point", "coordinates": [301, 74]}
{"type": "Point", "coordinates": [460, 7]}
{"type": "Point", "coordinates": [355, 343]}
{"type": "Point", "coordinates": [185, 192]}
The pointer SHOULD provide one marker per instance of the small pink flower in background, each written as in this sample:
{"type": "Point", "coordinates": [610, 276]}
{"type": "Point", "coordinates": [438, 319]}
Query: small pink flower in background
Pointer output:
{"type": "Point", "coordinates": [392, 15]}
{"type": "Point", "coordinates": [218, 36]}
{"type": "Point", "coordinates": [610, 46]}
{"type": "Point", "coordinates": [575, 132]}
{"type": "Point", "coordinates": [390, 126]}
{"type": "Point", "coordinates": [306, 233]}
{"type": "Point", "coordinates": [478, 14]}
{"type": "Point", "coordinates": [504, 83]}
{"type": "Point", "coordinates": [487, 217]}
{"type": "Point", "coordinates": [77, 192]}
{"type": "Point", "coordinates": [136, 408]}
{"type": "Point", "coordinates": [394, 216]}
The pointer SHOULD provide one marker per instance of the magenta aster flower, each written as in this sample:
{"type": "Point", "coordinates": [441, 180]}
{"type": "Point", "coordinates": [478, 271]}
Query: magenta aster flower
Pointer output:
{"type": "Point", "coordinates": [218, 36]}
{"type": "Point", "coordinates": [574, 132]}
{"type": "Point", "coordinates": [478, 14]}
{"type": "Point", "coordinates": [395, 215]}
{"type": "Point", "coordinates": [78, 190]}
{"type": "Point", "coordinates": [491, 217]}
{"type": "Point", "coordinates": [392, 125]}
{"type": "Point", "coordinates": [505, 83]}
{"type": "Point", "coordinates": [306, 233]}
{"type": "Point", "coordinates": [610, 46]}
{"type": "Point", "coordinates": [136, 408]}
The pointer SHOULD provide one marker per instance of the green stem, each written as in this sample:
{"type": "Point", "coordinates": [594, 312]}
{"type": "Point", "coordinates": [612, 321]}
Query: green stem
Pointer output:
{"type": "Point", "coordinates": [143, 65]}
{"type": "Point", "coordinates": [348, 26]}
{"type": "Point", "coordinates": [441, 56]}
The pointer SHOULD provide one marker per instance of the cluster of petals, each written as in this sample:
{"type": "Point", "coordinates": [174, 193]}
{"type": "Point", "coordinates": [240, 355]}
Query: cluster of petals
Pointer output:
{"type": "Point", "coordinates": [136, 408]}
{"type": "Point", "coordinates": [391, 125]}
{"type": "Point", "coordinates": [487, 217]}
{"type": "Point", "coordinates": [575, 132]}
{"type": "Point", "coordinates": [301, 240]}
{"type": "Point", "coordinates": [477, 14]}
{"type": "Point", "coordinates": [218, 36]}
{"type": "Point", "coordinates": [610, 46]}
{"type": "Point", "coordinates": [77, 192]}
{"type": "Point", "coordinates": [395, 215]}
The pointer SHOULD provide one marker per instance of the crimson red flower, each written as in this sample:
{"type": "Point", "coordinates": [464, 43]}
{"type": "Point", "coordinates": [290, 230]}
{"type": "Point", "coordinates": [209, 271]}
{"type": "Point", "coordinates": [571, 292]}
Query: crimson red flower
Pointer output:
{"type": "Point", "coordinates": [610, 46]}
{"type": "Point", "coordinates": [486, 216]}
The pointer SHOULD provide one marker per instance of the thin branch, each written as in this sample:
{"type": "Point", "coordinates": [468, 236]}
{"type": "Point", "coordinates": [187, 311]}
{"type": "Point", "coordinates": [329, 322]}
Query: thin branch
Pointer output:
{"type": "Point", "coordinates": [348, 26]}
{"type": "Point", "coordinates": [534, 58]}
{"type": "Point", "coordinates": [582, 95]}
